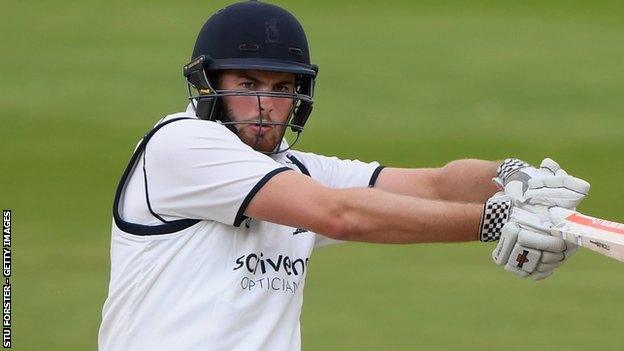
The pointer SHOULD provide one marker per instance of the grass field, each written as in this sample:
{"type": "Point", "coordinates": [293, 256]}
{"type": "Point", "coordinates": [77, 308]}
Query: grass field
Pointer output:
{"type": "Point", "coordinates": [410, 84]}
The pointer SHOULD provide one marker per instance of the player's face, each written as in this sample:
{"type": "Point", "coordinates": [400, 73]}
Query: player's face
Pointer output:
{"type": "Point", "coordinates": [253, 109]}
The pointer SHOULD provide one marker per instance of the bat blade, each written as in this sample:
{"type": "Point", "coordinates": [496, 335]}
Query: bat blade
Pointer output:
{"type": "Point", "coordinates": [599, 235]}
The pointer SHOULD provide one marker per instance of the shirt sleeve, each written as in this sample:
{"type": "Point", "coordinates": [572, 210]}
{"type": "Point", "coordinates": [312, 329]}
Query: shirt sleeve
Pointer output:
{"type": "Point", "coordinates": [337, 173]}
{"type": "Point", "coordinates": [201, 170]}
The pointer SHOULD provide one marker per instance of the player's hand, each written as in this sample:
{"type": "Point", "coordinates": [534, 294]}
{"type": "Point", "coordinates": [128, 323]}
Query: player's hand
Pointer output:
{"type": "Point", "coordinates": [527, 252]}
{"type": "Point", "coordinates": [502, 208]}
{"type": "Point", "coordinates": [548, 185]}
{"type": "Point", "coordinates": [557, 214]}
{"type": "Point", "coordinates": [526, 247]}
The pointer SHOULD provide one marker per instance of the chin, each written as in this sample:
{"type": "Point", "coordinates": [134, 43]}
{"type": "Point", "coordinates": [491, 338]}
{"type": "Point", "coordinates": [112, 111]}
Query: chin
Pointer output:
{"type": "Point", "coordinates": [262, 146]}
{"type": "Point", "coordinates": [267, 143]}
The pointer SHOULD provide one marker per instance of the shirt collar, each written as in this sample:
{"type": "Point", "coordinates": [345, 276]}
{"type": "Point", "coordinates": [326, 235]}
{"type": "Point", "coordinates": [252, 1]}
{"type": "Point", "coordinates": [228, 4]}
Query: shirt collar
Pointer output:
{"type": "Point", "coordinates": [190, 109]}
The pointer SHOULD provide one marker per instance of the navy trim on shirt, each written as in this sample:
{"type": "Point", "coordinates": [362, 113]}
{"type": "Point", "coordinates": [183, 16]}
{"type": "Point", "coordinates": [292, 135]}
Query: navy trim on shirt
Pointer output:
{"type": "Point", "coordinates": [374, 176]}
{"type": "Point", "coordinates": [140, 229]}
{"type": "Point", "coordinates": [240, 215]}
{"type": "Point", "coordinates": [299, 165]}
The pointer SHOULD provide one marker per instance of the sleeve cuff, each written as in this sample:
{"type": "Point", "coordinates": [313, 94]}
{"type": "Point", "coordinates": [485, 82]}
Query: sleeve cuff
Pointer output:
{"type": "Point", "coordinates": [374, 176]}
{"type": "Point", "coordinates": [240, 215]}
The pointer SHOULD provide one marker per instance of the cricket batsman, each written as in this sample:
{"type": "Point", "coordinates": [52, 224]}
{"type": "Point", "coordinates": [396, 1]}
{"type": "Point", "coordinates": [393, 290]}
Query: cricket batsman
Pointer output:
{"type": "Point", "coordinates": [216, 215]}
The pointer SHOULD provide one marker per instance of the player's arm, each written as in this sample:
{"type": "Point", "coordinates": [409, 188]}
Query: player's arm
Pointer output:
{"type": "Point", "coordinates": [462, 180]}
{"type": "Point", "coordinates": [374, 215]}
{"type": "Point", "coordinates": [362, 214]}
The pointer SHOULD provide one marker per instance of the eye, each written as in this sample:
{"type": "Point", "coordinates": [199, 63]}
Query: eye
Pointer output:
{"type": "Point", "coordinates": [283, 88]}
{"type": "Point", "coordinates": [247, 85]}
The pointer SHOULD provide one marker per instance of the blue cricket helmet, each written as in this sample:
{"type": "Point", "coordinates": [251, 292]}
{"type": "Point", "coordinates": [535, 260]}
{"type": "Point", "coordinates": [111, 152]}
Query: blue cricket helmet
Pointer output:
{"type": "Point", "coordinates": [256, 36]}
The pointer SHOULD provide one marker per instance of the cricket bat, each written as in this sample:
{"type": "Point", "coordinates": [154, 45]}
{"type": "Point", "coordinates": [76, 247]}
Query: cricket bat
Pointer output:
{"type": "Point", "coordinates": [599, 235]}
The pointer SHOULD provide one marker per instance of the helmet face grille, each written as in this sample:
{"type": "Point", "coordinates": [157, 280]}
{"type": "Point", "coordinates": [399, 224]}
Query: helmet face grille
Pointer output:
{"type": "Point", "coordinates": [212, 106]}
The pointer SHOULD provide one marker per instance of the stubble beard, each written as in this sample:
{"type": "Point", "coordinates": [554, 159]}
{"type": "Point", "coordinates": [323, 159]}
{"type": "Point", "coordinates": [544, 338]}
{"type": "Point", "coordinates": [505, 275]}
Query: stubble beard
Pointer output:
{"type": "Point", "coordinates": [263, 142]}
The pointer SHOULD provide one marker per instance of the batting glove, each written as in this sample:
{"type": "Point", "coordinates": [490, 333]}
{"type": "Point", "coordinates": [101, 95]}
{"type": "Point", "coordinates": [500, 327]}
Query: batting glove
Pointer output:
{"type": "Point", "coordinates": [525, 246]}
{"type": "Point", "coordinates": [548, 186]}
{"type": "Point", "coordinates": [527, 252]}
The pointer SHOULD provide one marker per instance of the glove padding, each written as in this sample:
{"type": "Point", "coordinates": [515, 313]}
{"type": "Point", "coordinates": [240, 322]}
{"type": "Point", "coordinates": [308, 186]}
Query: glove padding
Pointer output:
{"type": "Point", "coordinates": [548, 186]}
{"type": "Point", "coordinates": [525, 246]}
{"type": "Point", "coordinates": [560, 190]}
{"type": "Point", "coordinates": [502, 208]}
{"type": "Point", "coordinates": [528, 252]}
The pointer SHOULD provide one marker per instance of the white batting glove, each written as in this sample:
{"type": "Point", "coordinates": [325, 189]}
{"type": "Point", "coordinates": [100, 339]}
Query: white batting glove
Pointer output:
{"type": "Point", "coordinates": [557, 214]}
{"type": "Point", "coordinates": [527, 252]}
{"type": "Point", "coordinates": [526, 247]}
{"type": "Point", "coordinates": [502, 208]}
{"type": "Point", "coordinates": [548, 186]}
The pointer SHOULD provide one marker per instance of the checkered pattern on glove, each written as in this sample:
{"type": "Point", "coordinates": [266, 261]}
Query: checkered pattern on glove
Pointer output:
{"type": "Point", "coordinates": [495, 214]}
{"type": "Point", "coordinates": [508, 167]}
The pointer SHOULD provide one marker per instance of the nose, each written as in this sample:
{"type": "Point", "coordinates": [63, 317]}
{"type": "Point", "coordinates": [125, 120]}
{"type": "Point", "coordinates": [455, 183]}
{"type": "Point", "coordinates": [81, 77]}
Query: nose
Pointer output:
{"type": "Point", "coordinates": [266, 105]}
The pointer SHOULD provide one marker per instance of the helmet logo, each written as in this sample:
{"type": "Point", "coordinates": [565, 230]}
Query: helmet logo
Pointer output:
{"type": "Point", "coordinates": [248, 47]}
{"type": "Point", "coordinates": [272, 34]}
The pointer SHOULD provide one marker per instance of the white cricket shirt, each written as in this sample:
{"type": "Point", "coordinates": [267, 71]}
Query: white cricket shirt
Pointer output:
{"type": "Point", "coordinates": [188, 270]}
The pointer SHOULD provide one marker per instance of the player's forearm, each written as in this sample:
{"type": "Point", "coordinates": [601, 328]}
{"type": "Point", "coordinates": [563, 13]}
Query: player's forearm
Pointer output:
{"type": "Point", "coordinates": [372, 215]}
{"type": "Point", "coordinates": [461, 180]}
{"type": "Point", "coordinates": [467, 180]}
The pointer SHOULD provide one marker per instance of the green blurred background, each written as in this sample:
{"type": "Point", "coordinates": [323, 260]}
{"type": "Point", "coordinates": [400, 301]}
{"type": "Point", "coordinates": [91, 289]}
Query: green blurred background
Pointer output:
{"type": "Point", "coordinates": [410, 84]}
